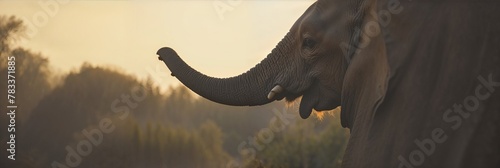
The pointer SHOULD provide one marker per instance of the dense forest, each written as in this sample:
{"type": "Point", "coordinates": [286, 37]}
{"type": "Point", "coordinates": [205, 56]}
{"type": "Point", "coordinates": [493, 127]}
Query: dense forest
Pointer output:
{"type": "Point", "coordinates": [97, 116]}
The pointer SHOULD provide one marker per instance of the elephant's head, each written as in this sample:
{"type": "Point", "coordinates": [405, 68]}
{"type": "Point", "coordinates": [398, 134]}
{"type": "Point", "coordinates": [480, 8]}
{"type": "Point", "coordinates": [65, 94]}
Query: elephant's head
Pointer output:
{"type": "Point", "coordinates": [307, 62]}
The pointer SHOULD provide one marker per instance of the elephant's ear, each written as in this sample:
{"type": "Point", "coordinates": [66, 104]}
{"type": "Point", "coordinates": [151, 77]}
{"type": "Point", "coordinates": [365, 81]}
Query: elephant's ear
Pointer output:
{"type": "Point", "coordinates": [365, 85]}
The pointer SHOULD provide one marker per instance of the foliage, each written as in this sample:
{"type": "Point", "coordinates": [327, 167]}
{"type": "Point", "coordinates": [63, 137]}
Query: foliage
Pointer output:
{"type": "Point", "coordinates": [32, 70]}
{"type": "Point", "coordinates": [304, 144]}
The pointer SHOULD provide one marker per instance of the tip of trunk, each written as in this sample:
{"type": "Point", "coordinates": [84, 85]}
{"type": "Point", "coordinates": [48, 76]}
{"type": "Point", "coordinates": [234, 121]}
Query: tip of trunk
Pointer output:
{"type": "Point", "coordinates": [165, 51]}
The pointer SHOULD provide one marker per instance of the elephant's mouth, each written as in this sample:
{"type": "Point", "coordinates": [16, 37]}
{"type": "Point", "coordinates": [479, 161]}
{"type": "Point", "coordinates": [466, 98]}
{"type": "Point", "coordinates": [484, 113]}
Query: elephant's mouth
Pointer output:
{"type": "Point", "coordinates": [315, 97]}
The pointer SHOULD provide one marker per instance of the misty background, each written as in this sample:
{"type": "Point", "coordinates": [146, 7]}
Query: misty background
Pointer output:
{"type": "Point", "coordinates": [166, 128]}
{"type": "Point", "coordinates": [127, 33]}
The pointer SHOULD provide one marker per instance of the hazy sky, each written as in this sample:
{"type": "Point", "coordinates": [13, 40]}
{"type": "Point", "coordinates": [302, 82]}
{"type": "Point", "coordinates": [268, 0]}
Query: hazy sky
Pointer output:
{"type": "Point", "coordinates": [127, 34]}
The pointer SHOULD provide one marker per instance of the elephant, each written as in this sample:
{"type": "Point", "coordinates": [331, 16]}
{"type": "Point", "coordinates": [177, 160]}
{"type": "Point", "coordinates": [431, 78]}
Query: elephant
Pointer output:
{"type": "Point", "coordinates": [418, 81]}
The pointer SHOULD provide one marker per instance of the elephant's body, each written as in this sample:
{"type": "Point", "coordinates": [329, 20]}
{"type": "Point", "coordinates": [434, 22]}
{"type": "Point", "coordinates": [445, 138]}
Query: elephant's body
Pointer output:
{"type": "Point", "coordinates": [434, 56]}
{"type": "Point", "coordinates": [423, 92]}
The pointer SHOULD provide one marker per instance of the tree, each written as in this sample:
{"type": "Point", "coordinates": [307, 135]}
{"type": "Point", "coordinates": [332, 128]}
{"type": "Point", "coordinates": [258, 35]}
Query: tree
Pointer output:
{"type": "Point", "coordinates": [33, 74]}
{"type": "Point", "coordinates": [306, 143]}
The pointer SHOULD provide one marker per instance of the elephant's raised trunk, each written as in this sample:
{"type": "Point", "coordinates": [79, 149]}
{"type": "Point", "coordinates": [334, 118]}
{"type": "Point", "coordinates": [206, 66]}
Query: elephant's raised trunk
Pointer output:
{"type": "Point", "coordinates": [248, 89]}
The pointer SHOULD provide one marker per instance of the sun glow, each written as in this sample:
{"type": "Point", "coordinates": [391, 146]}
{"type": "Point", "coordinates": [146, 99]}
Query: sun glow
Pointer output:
{"type": "Point", "coordinates": [320, 115]}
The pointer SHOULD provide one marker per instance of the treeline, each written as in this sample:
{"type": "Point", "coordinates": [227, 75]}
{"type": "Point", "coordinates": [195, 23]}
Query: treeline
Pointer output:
{"type": "Point", "coordinates": [99, 117]}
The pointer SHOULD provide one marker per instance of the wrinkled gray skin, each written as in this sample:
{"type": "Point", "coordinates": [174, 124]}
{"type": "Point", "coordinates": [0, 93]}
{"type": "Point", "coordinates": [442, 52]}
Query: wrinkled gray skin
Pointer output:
{"type": "Point", "coordinates": [400, 88]}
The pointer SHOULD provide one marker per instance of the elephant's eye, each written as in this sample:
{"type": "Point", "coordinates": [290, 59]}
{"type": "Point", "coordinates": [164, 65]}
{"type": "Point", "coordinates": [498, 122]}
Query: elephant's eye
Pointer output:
{"type": "Point", "coordinates": [308, 43]}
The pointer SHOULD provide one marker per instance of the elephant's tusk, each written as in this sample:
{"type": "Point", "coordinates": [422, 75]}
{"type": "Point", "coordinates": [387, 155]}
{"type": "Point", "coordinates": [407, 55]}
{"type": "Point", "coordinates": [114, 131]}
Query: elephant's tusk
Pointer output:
{"type": "Point", "coordinates": [277, 89]}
